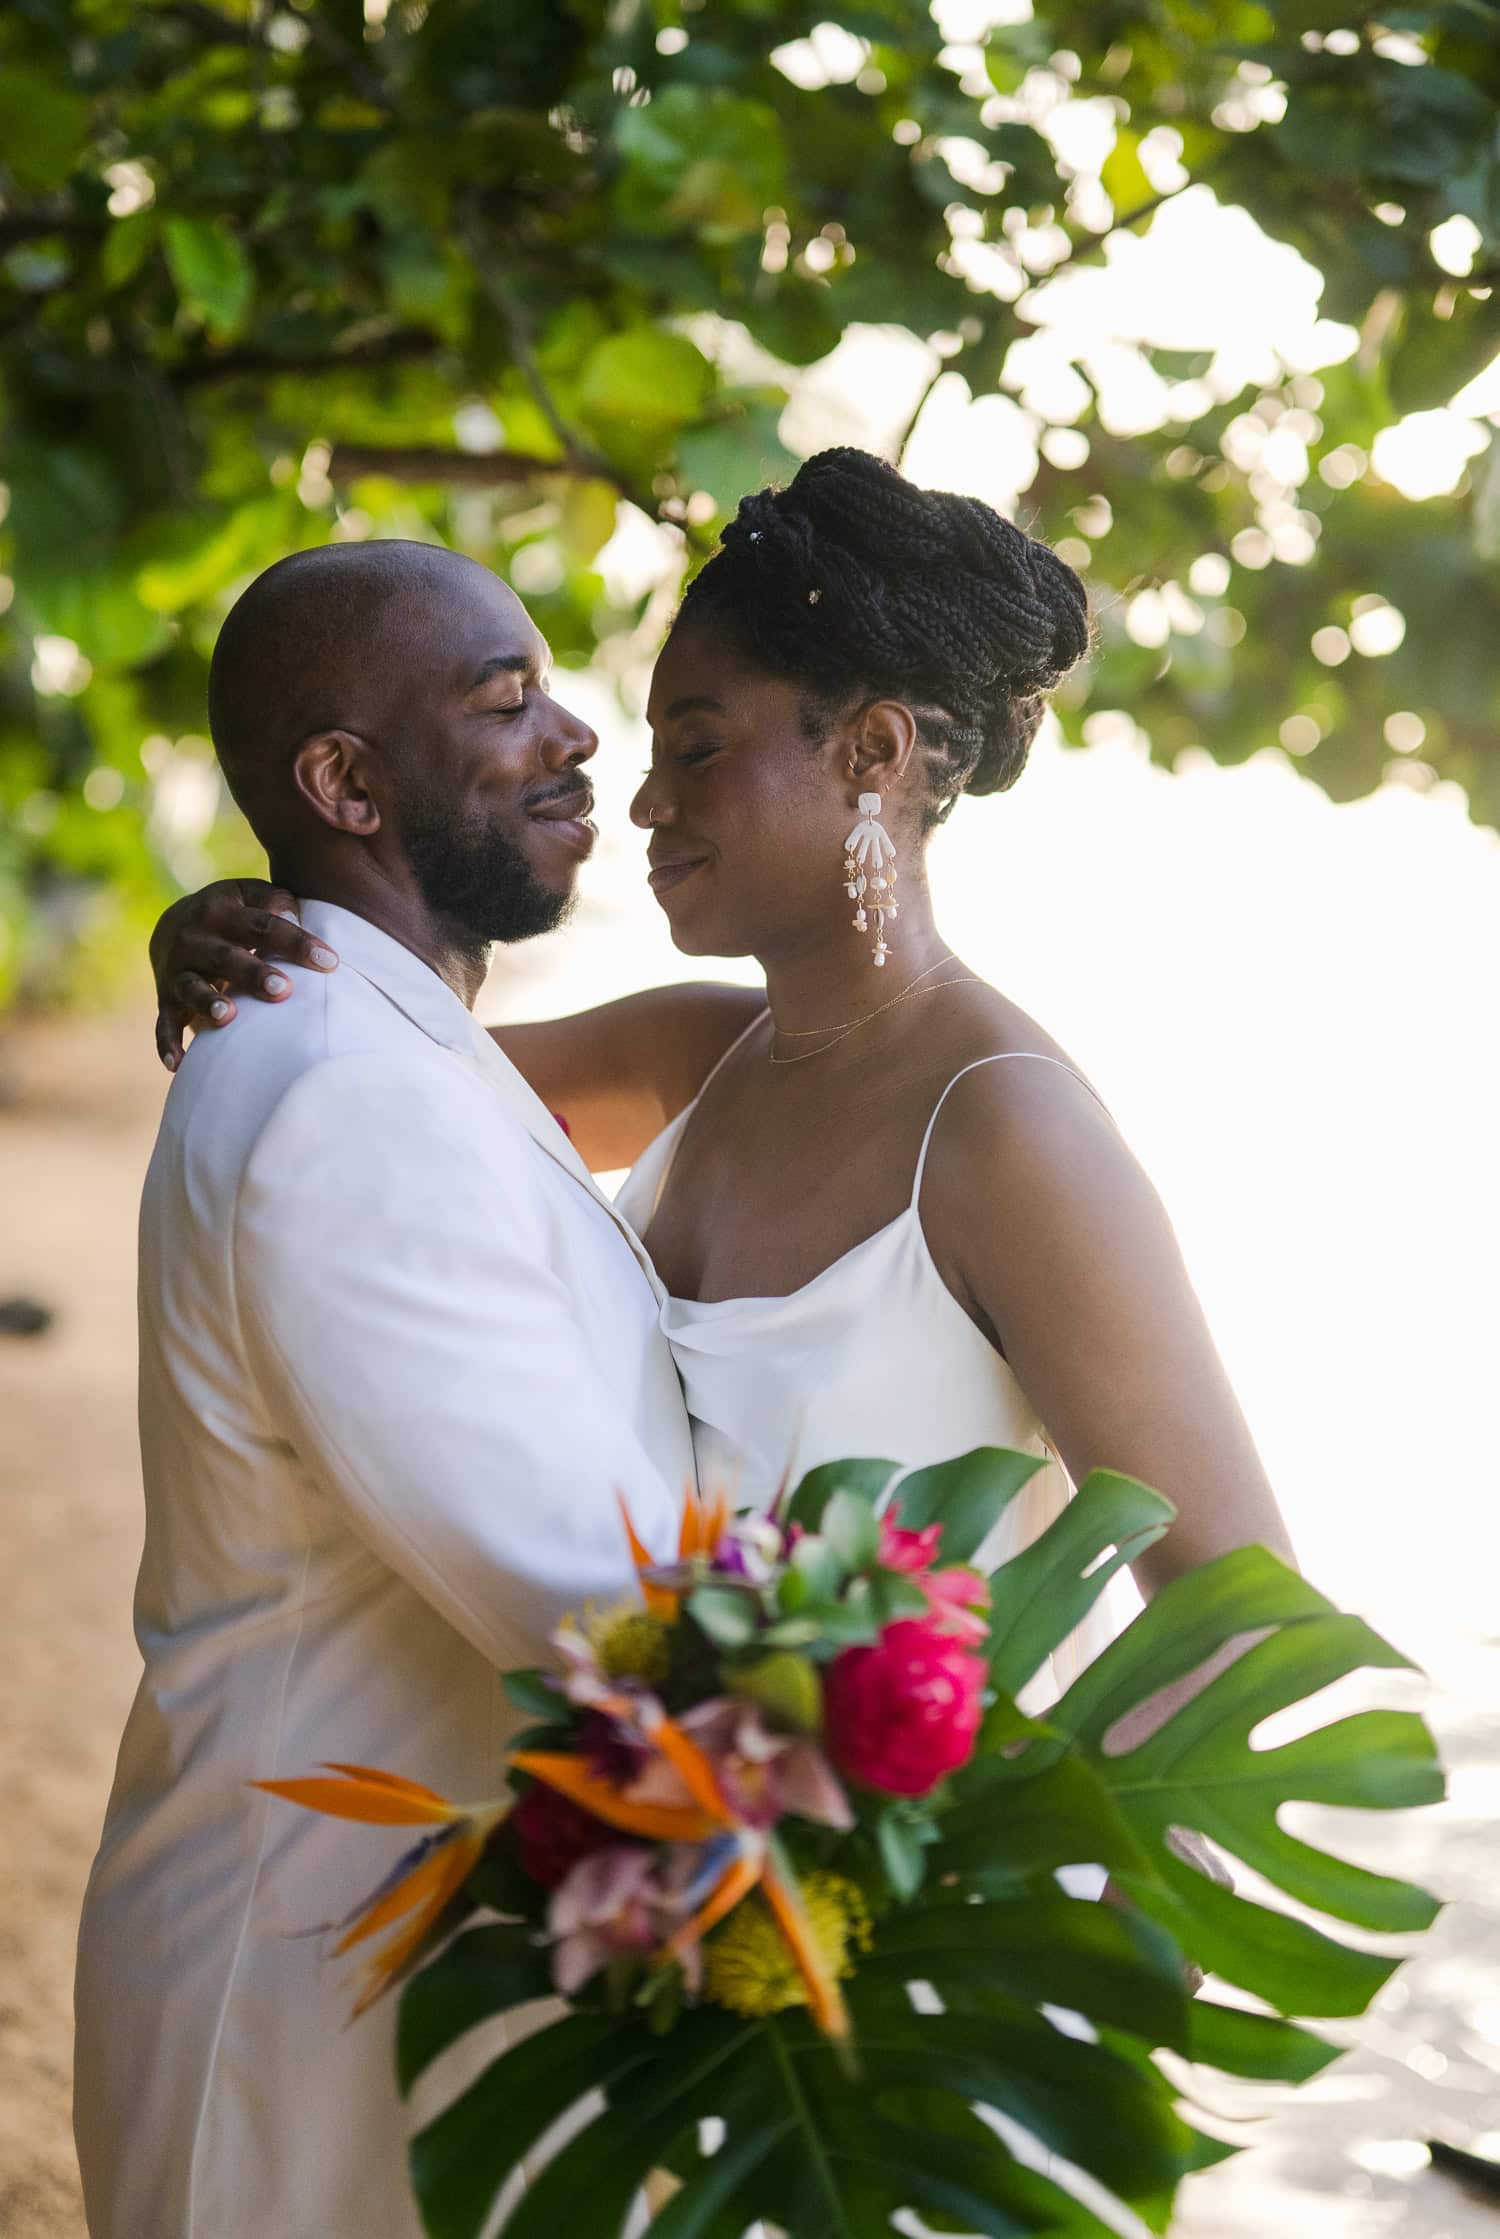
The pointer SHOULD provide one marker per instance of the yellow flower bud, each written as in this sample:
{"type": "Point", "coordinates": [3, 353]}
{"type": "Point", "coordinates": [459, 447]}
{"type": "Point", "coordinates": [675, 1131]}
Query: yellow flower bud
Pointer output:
{"type": "Point", "coordinates": [748, 1964]}
{"type": "Point", "coordinates": [630, 1644]}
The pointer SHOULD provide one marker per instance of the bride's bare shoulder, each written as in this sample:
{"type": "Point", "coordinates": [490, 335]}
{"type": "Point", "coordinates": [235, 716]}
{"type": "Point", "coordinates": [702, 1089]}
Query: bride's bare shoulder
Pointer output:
{"type": "Point", "coordinates": [987, 1024]}
{"type": "Point", "coordinates": [1020, 1105]}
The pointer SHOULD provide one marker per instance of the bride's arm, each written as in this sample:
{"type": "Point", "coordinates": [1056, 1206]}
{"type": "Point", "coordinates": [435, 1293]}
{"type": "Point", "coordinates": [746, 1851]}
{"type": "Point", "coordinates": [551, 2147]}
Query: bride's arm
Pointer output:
{"type": "Point", "coordinates": [1039, 1213]}
{"type": "Point", "coordinates": [616, 1074]}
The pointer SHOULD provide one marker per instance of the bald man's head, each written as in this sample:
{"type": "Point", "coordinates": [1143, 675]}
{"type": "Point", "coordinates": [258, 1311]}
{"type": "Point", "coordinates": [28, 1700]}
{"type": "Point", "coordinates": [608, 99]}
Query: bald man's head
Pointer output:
{"type": "Point", "coordinates": [334, 639]}
{"type": "Point", "coordinates": [385, 705]}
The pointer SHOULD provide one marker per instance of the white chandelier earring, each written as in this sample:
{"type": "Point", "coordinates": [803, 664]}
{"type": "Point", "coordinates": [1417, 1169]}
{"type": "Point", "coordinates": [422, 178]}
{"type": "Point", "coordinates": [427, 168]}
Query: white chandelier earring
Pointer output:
{"type": "Point", "coordinates": [870, 873]}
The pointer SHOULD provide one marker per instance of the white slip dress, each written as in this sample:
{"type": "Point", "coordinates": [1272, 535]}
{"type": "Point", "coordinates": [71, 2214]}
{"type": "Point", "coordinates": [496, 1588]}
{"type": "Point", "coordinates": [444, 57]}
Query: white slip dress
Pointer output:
{"type": "Point", "coordinates": [874, 1356]}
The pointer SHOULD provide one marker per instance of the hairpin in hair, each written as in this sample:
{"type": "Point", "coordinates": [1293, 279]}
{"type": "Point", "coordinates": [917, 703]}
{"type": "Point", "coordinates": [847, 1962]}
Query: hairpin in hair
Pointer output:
{"type": "Point", "coordinates": [813, 597]}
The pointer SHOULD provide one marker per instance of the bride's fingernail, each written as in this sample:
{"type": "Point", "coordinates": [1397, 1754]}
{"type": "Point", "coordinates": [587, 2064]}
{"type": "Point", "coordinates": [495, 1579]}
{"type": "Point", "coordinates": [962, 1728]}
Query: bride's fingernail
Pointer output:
{"type": "Point", "coordinates": [275, 984]}
{"type": "Point", "coordinates": [219, 1011]}
{"type": "Point", "coordinates": [325, 959]}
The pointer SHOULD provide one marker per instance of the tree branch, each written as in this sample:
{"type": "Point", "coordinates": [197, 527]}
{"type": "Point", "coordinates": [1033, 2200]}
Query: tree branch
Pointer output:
{"type": "Point", "coordinates": [236, 365]}
{"type": "Point", "coordinates": [434, 462]}
{"type": "Point", "coordinates": [518, 334]}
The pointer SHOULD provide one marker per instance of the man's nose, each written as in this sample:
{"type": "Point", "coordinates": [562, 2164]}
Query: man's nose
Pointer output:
{"type": "Point", "coordinates": [569, 741]}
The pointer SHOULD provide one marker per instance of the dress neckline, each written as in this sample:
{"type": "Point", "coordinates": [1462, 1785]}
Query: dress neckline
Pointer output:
{"type": "Point", "coordinates": [670, 1139]}
{"type": "Point", "coordinates": [788, 1298]}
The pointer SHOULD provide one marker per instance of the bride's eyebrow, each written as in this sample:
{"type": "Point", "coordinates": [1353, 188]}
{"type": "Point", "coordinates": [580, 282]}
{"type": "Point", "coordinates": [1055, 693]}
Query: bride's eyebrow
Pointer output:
{"type": "Point", "coordinates": [694, 702]}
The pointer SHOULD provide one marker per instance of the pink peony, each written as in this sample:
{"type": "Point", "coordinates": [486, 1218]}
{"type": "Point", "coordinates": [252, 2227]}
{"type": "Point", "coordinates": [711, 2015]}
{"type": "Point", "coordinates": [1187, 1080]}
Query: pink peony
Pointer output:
{"type": "Point", "coordinates": [903, 1713]}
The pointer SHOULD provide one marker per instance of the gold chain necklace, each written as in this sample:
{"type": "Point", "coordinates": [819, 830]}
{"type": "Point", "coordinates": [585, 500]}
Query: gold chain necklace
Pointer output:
{"type": "Point", "coordinates": [852, 1026]}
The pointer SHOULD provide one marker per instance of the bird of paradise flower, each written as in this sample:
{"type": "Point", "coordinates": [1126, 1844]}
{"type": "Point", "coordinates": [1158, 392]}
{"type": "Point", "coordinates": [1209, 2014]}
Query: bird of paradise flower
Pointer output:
{"type": "Point", "coordinates": [426, 1880]}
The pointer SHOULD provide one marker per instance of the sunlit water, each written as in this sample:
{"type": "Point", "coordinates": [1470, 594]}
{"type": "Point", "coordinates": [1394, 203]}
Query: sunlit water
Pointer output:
{"type": "Point", "coordinates": [1290, 1008]}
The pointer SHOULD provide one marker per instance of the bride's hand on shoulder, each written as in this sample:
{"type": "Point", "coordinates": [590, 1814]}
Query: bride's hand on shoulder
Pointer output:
{"type": "Point", "coordinates": [1038, 1209]}
{"type": "Point", "coordinates": [231, 938]}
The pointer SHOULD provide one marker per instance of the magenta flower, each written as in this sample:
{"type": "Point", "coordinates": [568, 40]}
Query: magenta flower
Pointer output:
{"type": "Point", "coordinates": [904, 1712]}
{"type": "Point", "coordinates": [912, 1552]}
{"type": "Point", "coordinates": [955, 1599]}
{"type": "Point", "coordinates": [954, 1596]}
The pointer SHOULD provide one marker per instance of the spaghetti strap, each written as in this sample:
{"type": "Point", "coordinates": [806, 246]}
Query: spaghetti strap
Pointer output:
{"type": "Point", "coordinates": [997, 1057]}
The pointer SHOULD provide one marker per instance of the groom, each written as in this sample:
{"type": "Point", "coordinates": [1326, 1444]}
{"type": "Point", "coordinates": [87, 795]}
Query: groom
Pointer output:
{"type": "Point", "coordinates": [398, 1361]}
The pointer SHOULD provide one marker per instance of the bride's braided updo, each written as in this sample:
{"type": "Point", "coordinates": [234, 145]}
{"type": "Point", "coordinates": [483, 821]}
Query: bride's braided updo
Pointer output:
{"type": "Point", "coordinates": [851, 581]}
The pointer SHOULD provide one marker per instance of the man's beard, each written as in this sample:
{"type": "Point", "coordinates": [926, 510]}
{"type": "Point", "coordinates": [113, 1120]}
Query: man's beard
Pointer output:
{"type": "Point", "coordinates": [476, 877]}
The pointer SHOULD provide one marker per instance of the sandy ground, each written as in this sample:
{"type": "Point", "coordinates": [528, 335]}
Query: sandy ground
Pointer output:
{"type": "Point", "coordinates": [1341, 2161]}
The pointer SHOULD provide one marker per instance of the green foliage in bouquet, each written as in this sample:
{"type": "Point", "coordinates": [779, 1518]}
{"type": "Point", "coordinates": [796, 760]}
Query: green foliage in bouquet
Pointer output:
{"type": "Point", "coordinates": [831, 1971]}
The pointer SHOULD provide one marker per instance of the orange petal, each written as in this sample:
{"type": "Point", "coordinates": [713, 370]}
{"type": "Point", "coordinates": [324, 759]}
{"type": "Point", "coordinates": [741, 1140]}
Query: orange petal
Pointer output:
{"type": "Point", "coordinates": [660, 1600]}
{"type": "Point", "coordinates": [640, 1553]}
{"type": "Point", "coordinates": [692, 1768]}
{"type": "Point", "coordinates": [657, 1822]}
{"type": "Point", "coordinates": [396, 1781]}
{"type": "Point", "coordinates": [370, 1800]}
{"type": "Point", "coordinates": [413, 1889]}
{"type": "Point", "coordinates": [736, 1882]}
{"type": "Point", "coordinates": [702, 1524]}
{"type": "Point", "coordinates": [458, 1862]}
{"type": "Point", "coordinates": [825, 1997]}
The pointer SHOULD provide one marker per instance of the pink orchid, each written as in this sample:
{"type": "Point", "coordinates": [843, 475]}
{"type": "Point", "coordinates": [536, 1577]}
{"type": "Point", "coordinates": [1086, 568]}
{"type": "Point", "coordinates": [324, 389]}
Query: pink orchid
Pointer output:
{"type": "Point", "coordinates": [763, 1774]}
{"type": "Point", "coordinates": [749, 1547]}
{"type": "Point", "coordinates": [612, 1902]}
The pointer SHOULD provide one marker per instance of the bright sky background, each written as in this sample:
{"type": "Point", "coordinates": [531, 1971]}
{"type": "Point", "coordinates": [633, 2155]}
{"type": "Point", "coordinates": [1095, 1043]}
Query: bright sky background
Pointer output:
{"type": "Point", "coordinates": [1290, 1006]}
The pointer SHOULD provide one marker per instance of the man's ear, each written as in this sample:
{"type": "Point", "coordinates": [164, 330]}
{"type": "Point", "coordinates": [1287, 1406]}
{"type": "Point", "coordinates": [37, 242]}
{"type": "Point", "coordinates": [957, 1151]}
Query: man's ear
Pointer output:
{"type": "Point", "coordinates": [330, 771]}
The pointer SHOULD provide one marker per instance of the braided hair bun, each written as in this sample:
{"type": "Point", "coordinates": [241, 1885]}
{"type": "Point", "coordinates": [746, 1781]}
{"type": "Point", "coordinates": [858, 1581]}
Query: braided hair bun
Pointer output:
{"type": "Point", "coordinates": [851, 580]}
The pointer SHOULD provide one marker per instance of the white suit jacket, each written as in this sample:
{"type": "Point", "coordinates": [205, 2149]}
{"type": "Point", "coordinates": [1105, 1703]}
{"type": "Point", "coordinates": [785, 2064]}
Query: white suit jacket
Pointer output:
{"type": "Point", "coordinates": [398, 1358]}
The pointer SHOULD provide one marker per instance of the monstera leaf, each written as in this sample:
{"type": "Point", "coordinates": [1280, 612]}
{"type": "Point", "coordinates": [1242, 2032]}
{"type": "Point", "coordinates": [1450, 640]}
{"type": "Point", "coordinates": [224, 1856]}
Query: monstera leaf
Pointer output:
{"type": "Point", "coordinates": [805, 2141]}
{"type": "Point", "coordinates": [1200, 1770]}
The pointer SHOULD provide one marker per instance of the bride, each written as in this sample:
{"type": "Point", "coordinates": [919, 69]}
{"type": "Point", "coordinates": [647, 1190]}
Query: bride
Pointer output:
{"type": "Point", "coordinates": [890, 1215]}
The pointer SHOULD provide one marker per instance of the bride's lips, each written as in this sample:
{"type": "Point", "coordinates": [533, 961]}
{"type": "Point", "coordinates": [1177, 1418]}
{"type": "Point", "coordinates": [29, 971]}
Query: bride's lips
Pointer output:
{"type": "Point", "coordinates": [668, 871]}
{"type": "Point", "coordinates": [568, 815]}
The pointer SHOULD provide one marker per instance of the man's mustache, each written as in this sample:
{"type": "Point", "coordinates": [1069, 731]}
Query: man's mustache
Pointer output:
{"type": "Point", "coordinates": [577, 796]}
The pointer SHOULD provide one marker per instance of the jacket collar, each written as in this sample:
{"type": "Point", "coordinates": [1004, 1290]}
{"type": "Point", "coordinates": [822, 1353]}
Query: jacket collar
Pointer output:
{"type": "Point", "coordinates": [399, 974]}
{"type": "Point", "coordinates": [419, 993]}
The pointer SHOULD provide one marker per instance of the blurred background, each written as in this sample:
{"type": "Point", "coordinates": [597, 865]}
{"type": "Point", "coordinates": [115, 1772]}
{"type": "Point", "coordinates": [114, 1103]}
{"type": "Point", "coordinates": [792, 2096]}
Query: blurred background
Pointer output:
{"type": "Point", "coordinates": [1203, 293]}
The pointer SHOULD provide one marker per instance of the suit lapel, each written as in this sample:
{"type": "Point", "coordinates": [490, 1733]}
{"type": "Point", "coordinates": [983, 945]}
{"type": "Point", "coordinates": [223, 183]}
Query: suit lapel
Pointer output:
{"type": "Point", "coordinates": [416, 990]}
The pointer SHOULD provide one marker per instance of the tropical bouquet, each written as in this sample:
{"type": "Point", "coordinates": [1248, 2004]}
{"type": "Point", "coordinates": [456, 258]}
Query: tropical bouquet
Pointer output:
{"type": "Point", "coordinates": [785, 1848]}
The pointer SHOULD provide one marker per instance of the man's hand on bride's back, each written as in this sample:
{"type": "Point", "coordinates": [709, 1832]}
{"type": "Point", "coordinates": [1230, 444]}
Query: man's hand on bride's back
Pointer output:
{"type": "Point", "coordinates": [231, 938]}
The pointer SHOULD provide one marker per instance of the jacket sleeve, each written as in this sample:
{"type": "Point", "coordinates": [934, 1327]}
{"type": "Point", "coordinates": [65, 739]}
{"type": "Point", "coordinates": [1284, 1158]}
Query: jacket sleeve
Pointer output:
{"type": "Point", "coordinates": [415, 1349]}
